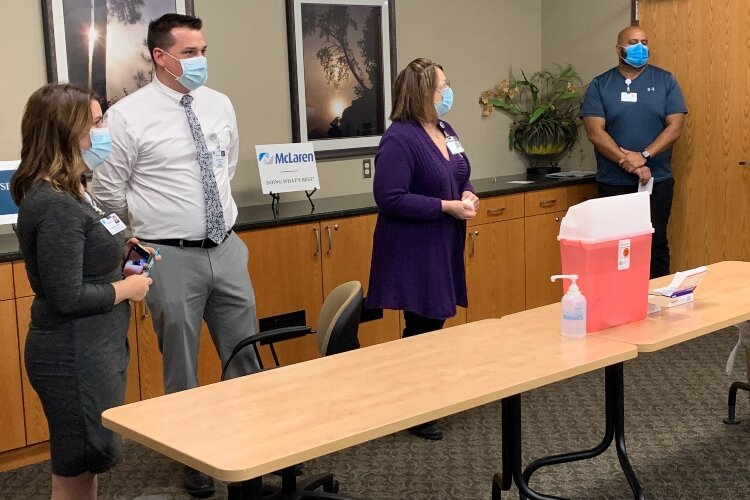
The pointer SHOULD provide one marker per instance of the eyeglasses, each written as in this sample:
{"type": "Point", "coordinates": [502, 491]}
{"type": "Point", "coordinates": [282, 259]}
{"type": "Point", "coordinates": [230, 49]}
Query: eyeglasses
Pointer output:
{"type": "Point", "coordinates": [444, 85]}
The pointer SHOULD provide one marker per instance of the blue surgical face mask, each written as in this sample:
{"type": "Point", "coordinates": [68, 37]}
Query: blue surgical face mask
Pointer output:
{"type": "Point", "coordinates": [101, 147]}
{"type": "Point", "coordinates": [194, 71]}
{"type": "Point", "coordinates": [444, 106]}
{"type": "Point", "coordinates": [635, 55]}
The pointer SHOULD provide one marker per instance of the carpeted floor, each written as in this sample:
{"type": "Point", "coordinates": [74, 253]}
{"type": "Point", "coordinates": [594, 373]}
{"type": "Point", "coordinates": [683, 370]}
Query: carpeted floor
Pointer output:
{"type": "Point", "coordinates": [678, 445]}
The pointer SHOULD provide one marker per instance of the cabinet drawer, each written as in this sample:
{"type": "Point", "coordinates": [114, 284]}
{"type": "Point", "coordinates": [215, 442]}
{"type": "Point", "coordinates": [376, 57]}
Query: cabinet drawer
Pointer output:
{"type": "Point", "coordinates": [498, 208]}
{"type": "Point", "coordinates": [546, 201]}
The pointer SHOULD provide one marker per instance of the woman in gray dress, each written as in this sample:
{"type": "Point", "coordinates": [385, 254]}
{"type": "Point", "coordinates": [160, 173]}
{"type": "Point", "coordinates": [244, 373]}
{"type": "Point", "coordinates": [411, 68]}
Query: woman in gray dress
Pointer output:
{"type": "Point", "coordinates": [76, 350]}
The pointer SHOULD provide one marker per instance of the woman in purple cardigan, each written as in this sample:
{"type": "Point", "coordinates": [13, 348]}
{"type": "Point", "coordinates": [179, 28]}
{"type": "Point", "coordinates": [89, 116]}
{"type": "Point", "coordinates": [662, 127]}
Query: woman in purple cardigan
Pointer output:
{"type": "Point", "coordinates": [424, 198]}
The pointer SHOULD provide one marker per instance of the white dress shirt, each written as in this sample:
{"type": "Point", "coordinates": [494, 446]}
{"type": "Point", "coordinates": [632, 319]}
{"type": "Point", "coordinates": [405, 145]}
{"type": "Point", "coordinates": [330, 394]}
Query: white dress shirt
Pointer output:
{"type": "Point", "coordinates": [152, 177]}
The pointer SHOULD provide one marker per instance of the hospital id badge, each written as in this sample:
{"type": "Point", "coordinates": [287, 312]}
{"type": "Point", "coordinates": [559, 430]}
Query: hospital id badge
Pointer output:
{"type": "Point", "coordinates": [113, 224]}
{"type": "Point", "coordinates": [219, 157]}
{"type": "Point", "coordinates": [454, 145]}
{"type": "Point", "coordinates": [629, 97]}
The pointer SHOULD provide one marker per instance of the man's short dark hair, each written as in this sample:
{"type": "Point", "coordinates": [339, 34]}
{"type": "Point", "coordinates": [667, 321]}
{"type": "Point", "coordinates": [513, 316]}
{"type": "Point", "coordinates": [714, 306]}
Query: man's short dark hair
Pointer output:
{"type": "Point", "coordinates": [159, 30]}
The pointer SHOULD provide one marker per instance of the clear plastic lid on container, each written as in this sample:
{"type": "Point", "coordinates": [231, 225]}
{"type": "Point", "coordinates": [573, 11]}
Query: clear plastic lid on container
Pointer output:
{"type": "Point", "coordinates": [610, 218]}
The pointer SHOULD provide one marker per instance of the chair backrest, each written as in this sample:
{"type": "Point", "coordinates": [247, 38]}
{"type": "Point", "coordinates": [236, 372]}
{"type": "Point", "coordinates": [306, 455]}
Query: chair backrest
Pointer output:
{"type": "Point", "coordinates": [339, 319]}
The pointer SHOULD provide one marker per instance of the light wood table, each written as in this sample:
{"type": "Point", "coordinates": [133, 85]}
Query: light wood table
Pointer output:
{"type": "Point", "coordinates": [721, 300]}
{"type": "Point", "coordinates": [240, 429]}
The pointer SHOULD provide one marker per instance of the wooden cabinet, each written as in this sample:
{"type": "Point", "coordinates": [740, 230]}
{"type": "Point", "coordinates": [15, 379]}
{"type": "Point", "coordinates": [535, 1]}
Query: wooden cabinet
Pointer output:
{"type": "Point", "coordinates": [6, 281]}
{"type": "Point", "coordinates": [20, 280]}
{"type": "Point", "coordinates": [285, 268]}
{"type": "Point", "coordinates": [346, 255]}
{"type": "Point", "coordinates": [582, 192]}
{"type": "Point", "coordinates": [542, 252]}
{"type": "Point", "coordinates": [35, 421]}
{"type": "Point", "coordinates": [11, 396]}
{"type": "Point", "coordinates": [545, 201]}
{"type": "Point", "coordinates": [495, 269]}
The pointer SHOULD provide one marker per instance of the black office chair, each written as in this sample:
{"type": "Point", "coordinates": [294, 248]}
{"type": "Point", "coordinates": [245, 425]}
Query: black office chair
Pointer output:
{"type": "Point", "coordinates": [745, 386]}
{"type": "Point", "coordinates": [338, 325]}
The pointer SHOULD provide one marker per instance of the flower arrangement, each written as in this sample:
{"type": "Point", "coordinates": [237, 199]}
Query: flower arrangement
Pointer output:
{"type": "Point", "coordinates": [544, 109]}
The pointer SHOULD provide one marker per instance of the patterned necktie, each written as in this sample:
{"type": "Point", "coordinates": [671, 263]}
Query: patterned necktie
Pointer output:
{"type": "Point", "coordinates": [215, 227]}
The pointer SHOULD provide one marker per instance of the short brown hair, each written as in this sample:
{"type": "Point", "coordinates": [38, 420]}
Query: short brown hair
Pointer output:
{"type": "Point", "coordinates": [54, 120]}
{"type": "Point", "coordinates": [160, 30]}
{"type": "Point", "coordinates": [413, 92]}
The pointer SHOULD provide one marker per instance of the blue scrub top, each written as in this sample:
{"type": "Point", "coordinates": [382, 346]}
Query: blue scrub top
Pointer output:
{"type": "Point", "coordinates": [634, 125]}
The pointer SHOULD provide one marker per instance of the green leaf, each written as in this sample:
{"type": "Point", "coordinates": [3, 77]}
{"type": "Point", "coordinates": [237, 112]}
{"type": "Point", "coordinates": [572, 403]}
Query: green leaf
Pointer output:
{"type": "Point", "coordinates": [537, 113]}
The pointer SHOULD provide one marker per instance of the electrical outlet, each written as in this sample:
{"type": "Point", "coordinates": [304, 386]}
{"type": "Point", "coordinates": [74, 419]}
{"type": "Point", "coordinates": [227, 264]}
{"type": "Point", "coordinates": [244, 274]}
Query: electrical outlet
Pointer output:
{"type": "Point", "coordinates": [366, 168]}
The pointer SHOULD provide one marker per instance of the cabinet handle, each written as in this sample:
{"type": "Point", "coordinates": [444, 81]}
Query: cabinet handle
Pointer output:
{"type": "Point", "coordinates": [557, 219]}
{"type": "Point", "coordinates": [495, 211]}
{"type": "Point", "coordinates": [317, 241]}
{"type": "Point", "coordinates": [547, 203]}
{"type": "Point", "coordinates": [744, 163]}
{"type": "Point", "coordinates": [146, 312]}
{"type": "Point", "coordinates": [330, 240]}
{"type": "Point", "coordinates": [472, 237]}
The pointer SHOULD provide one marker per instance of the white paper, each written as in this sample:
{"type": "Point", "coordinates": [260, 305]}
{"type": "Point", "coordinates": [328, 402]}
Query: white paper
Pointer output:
{"type": "Point", "coordinates": [684, 282]}
{"type": "Point", "coordinates": [520, 182]}
{"type": "Point", "coordinates": [648, 187]}
{"type": "Point", "coordinates": [287, 167]}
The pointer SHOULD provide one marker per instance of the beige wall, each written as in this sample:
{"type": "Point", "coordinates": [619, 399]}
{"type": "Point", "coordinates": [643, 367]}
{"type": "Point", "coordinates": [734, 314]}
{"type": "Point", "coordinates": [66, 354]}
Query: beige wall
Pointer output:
{"type": "Point", "coordinates": [583, 33]}
{"type": "Point", "coordinates": [248, 61]}
{"type": "Point", "coordinates": [476, 43]}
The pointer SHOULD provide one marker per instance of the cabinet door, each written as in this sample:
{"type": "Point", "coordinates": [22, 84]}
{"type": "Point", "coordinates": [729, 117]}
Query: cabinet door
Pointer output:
{"type": "Point", "coordinates": [582, 192]}
{"type": "Point", "coordinates": [20, 280]}
{"type": "Point", "coordinates": [286, 272]}
{"type": "Point", "coordinates": [542, 259]}
{"type": "Point", "coordinates": [11, 396]}
{"type": "Point", "coordinates": [36, 422]}
{"type": "Point", "coordinates": [6, 281]}
{"type": "Point", "coordinates": [150, 367]}
{"type": "Point", "coordinates": [347, 251]}
{"type": "Point", "coordinates": [495, 269]}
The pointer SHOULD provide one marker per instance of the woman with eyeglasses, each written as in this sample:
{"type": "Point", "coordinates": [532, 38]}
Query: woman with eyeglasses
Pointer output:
{"type": "Point", "coordinates": [424, 198]}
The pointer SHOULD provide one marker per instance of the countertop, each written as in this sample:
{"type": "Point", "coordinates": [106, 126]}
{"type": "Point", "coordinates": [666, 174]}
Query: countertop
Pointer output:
{"type": "Point", "coordinates": [296, 212]}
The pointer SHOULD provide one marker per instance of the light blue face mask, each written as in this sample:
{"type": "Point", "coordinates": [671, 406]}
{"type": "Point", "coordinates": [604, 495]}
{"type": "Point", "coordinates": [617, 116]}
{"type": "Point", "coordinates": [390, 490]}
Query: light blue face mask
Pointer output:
{"type": "Point", "coordinates": [101, 147]}
{"type": "Point", "coordinates": [194, 71]}
{"type": "Point", "coordinates": [445, 105]}
{"type": "Point", "coordinates": [635, 55]}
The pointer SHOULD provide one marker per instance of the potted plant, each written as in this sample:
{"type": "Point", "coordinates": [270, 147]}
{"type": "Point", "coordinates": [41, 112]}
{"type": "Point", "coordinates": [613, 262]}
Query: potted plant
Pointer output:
{"type": "Point", "coordinates": [544, 109]}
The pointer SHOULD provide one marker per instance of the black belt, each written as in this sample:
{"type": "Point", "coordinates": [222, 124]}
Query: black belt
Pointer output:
{"type": "Point", "coordinates": [205, 243]}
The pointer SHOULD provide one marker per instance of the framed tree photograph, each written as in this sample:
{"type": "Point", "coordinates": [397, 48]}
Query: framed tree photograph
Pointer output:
{"type": "Point", "coordinates": [342, 63]}
{"type": "Point", "coordinates": [101, 44]}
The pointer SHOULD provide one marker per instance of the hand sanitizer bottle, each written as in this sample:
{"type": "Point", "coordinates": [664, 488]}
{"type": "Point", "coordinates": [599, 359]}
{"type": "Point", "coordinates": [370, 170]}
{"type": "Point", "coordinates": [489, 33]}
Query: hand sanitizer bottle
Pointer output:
{"type": "Point", "coordinates": [573, 309]}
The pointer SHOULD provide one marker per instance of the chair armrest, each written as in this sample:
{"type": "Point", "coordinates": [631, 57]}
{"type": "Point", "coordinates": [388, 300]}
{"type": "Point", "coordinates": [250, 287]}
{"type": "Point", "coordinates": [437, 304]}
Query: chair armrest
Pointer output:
{"type": "Point", "coordinates": [279, 334]}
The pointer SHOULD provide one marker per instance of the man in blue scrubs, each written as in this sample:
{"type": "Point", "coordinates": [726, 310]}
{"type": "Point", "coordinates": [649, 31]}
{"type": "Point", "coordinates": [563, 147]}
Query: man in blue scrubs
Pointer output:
{"type": "Point", "coordinates": [633, 114]}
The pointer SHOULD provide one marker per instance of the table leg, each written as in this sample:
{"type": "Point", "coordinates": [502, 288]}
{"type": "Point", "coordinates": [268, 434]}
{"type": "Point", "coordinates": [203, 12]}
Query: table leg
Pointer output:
{"type": "Point", "coordinates": [252, 489]}
{"type": "Point", "coordinates": [614, 430]}
{"type": "Point", "coordinates": [614, 383]}
{"type": "Point", "coordinates": [511, 431]}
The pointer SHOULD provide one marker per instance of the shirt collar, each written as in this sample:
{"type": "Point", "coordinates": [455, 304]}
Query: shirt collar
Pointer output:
{"type": "Point", "coordinates": [171, 93]}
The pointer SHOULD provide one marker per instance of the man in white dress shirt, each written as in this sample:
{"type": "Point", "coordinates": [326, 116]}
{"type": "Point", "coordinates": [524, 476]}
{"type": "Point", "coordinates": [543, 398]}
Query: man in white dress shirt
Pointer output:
{"type": "Point", "coordinates": [174, 152]}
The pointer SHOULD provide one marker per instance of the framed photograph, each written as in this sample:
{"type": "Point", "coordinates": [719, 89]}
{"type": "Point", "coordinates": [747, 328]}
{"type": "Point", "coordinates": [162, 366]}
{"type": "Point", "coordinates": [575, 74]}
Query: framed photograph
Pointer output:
{"type": "Point", "coordinates": [342, 64]}
{"type": "Point", "coordinates": [101, 44]}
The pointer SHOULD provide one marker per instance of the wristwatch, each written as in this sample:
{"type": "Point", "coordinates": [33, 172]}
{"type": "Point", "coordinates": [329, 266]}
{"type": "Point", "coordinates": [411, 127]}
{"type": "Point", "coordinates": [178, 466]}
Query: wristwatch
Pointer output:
{"type": "Point", "coordinates": [645, 154]}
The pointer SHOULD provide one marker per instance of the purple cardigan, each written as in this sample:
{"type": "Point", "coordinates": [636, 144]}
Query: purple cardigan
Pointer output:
{"type": "Point", "coordinates": [418, 252]}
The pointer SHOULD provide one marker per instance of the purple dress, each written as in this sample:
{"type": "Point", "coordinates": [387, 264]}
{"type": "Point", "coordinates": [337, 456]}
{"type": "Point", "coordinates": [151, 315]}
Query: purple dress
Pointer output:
{"type": "Point", "coordinates": [418, 251]}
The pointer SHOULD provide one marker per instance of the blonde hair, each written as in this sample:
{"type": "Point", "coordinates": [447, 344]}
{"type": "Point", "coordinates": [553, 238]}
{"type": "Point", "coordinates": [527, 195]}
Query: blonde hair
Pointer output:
{"type": "Point", "coordinates": [413, 92]}
{"type": "Point", "coordinates": [55, 118]}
